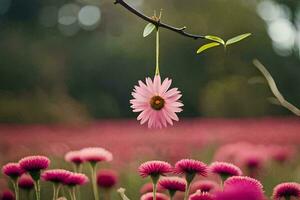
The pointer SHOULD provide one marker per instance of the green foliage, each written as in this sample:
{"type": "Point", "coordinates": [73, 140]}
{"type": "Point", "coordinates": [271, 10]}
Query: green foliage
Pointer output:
{"type": "Point", "coordinates": [207, 46]}
{"type": "Point", "coordinates": [237, 38]}
{"type": "Point", "coordinates": [148, 29]}
{"type": "Point", "coordinates": [217, 41]}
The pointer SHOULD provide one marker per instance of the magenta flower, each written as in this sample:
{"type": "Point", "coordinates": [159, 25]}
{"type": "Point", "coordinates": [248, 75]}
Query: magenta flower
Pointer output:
{"type": "Point", "coordinates": [107, 178]}
{"type": "Point", "coordinates": [158, 105]}
{"type": "Point", "coordinates": [25, 182]}
{"type": "Point", "coordinates": [34, 163]}
{"type": "Point", "coordinates": [201, 196]}
{"type": "Point", "coordinates": [75, 179]}
{"type": "Point", "coordinates": [286, 191]}
{"type": "Point", "coordinates": [173, 184]}
{"type": "Point", "coordinates": [244, 192]}
{"type": "Point", "coordinates": [159, 196]}
{"type": "Point", "coordinates": [74, 157]}
{"type": "Point", "coordinates": [204, 186]}
{"type": "Point", "coordinates": [7, 195]}
{"type": "Point", "coordinates": [148, 187]}
{"type": "Point", "coordinates": [154, 168]}
{"type": "Point", "coordinates": [243, 181]}
{"type": "Point", "coordinates": [56, 175]}
{"type": "Point", "coordinates": [190, 166]}
{"type": "Point", "coordinates": [95, 154]}
{"type": "Point", "coordinates": [225, 170]}
{"type": "Point", "coordinates": [13, 170]}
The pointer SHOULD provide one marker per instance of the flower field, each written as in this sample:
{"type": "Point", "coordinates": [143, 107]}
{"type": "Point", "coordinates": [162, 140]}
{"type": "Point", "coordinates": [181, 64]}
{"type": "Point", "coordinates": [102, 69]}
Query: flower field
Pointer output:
{"type": "Point", "coordinates": [266, 149]}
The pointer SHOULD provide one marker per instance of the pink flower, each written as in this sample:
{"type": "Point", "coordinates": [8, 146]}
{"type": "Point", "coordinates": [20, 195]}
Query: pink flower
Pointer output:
{"type": "Point", "coordinates": [74, 157]}
{"type": "Point", "coordinates": [7, 195]}
{"type": "Point", "coordinates": [159, 196]}
{"type": "Point", "coordinates": [95, 154]}
{"type": "Point", "coordinates": [154, 168]}
{"type": "Point", "coordinates": [34, 163]}
{"type": "Point", "coordinates": [157, 104]}
{"type": "Point", "coordinates": [190, 166]}
{"type": "Point", "coordinates": [25, 182]}
{"type": "Point", "coordinates": [201, 196]}
{"type": "Point", "coordinates": [243, 181]}
{"type": "Point", "coordinates": [13, 170]}
{"type": "Point", "coordinates": [286, 190]}
{"type": "Point", "coordinates": [244, 192]}
{"type": "Point", "coordinates": [204, 186]}
{"type": "Point", "coordinates": [76, 179]}
{"type": "Point", "coordinates": [224, 169]}
{"type": "Point", "coordinates": [56, 175]}
{"type": "Point", "coordinates": [173, 184]}
{"type": "Point", "coordinates": [107, 178]}
{"type": "Point", "coordinates": [242, 187]}
{"type": "Point", "coordinates": [148, 187]}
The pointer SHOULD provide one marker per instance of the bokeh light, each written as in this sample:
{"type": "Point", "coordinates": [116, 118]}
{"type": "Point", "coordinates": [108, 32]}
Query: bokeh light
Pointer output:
{"type": "Point", "coordinates": [89, 17]}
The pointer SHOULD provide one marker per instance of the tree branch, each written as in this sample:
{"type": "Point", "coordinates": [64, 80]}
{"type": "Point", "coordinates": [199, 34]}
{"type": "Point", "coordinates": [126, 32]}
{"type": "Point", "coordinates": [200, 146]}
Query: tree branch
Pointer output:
{"type": "Point", "coordinates": [274, 89]}
{"type": "Point", "coordinates": [157, 23]}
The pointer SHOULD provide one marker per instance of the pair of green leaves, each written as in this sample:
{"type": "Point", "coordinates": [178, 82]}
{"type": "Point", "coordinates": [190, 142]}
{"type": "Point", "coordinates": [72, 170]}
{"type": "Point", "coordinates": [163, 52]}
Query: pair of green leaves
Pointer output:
{"type": "Point", "coordinates": [218, 41]}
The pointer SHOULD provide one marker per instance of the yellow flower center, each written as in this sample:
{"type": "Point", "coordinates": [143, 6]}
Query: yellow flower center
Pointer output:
{"type": "Point", "coordinates": [157, 102]}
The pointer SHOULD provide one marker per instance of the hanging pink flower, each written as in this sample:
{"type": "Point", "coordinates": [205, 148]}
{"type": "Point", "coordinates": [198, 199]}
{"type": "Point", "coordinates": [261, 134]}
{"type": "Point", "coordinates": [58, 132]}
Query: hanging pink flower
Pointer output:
{"type": "Point", "coordinates": [158, 105]}
{"type": "Point", "coordinates": [25, 182]}
{"type": "Point", "coordinates": [154, 168]}
{"type": "Point", "coordinates": [159, 196]}
{"type": "Point", "coordinates": [13, 170]}
{"type": "Point", "coordinates": [287, 191]}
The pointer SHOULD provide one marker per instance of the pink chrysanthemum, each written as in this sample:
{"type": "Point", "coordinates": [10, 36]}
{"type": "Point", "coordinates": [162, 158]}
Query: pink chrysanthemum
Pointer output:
{"type": "Point", "coordinates": [74, 157]}
{"type": "Point", "coordinates": [95, 154]}
{"type": "Point", "coordinates": [148, 187]}
{"type": "Point", "coordinates": [243, 181]}
{"type": "Point", "coordinates": [7, 195]}
{"type": "Point", "coordinates": [107, 178]}
{"type": "Point", "coordinates": [157, 104]}
{"type": "Point", "coordinates": [173, 184]}
{"type": "Point", "coordinates": [56, 175]}
{"type": "Point", "coordinates": [159, 196]}
{"type": "Point", "coordinates": [154, 168]}
{"type": "Point", "coordinates": [204, 186]}
{"type": "Point", "coordinates": [243, 192]}
{"type": "Point", "coordinates": [201, 196]}
{"type": "Point", "coordinates": [190, 166]}
{"type": "Point", "coordinates": [286, 190]}
{"type": "Point", "coordinates": [225, 169]}
{"type": "Point", "coordinates": [76, 179]}
{"type": "Point", "coordinates": [12, 170]}
{"type": "Point", "coordinates": [34, 163]}
{"type": "Point", "coordinates": [26, 182]}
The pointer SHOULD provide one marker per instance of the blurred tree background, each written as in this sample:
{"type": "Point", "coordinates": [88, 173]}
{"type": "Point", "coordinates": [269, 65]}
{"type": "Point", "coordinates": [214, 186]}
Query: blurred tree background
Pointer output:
{"type": "Point", "coordinates": [74, 60]}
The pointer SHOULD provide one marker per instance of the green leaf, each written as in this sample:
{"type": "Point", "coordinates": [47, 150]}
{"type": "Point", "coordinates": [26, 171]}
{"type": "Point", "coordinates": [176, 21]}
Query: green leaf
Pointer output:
{"type": "Point", "coordinates": [237, 38]}
{"type": "Point", "coordinates": [207, 46]}
{"type": "Point", "coordinates": [215, 38]}
{"type": "Point", "coordinates": [148, 29]}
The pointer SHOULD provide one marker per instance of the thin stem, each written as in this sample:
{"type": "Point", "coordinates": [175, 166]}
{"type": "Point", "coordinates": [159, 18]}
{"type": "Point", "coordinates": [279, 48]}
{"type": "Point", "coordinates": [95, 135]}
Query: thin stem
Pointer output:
{"type": "Point", "coordinates": [74, 193]}
{"type": "Point", "coordinates": [180, 31]}
{"type": "Point", "coordinates": [94, 181]}
{"type": "Point", "coordinates": [54, 191]}
{"type": "Point", "coordinates": [70, 193]}
{"type": "Point", "coordinates": [37, 190]}
{"type": "Point", "coordinates": [154, 190]}
{"type": "Point", "coordinates": [187, 191]}
{"type": "Point", "coordinates": [157, 52]}
{"type": "Point", "coordinates": [16, 188]}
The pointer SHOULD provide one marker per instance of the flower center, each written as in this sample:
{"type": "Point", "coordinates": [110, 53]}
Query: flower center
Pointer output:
{"type": "Point", "coordinates": [157, 103]}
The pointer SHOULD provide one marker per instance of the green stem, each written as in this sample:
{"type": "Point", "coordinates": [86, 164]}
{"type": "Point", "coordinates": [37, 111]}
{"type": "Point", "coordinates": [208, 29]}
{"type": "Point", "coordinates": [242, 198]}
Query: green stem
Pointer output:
{"type": "Point", "coordinates": [187, 191]}
{"type": "Point", "coordinates": [154, 190]}
{"type": "Point", "coordinates": [71, 193]}
{"type": "Point", "coordinates": [157, 52]}
{"type": "Point", "coordinates": [78, 169]}
{"type": "Point", "coordinates": [54, 191]}
{"type": "Point", "coordinates": [37, 189]}
{"type": "Point", "coordinates": [16, 188]}
{"type": "Point", "coordinates": [94, 181]}
{"type": "Point", "coordinates": [74, 193]}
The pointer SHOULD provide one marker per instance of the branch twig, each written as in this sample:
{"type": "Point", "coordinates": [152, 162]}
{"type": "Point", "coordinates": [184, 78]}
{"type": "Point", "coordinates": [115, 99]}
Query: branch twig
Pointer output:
{"type": "Point", "coordinates": [158, 23]}
{"type": "Point", "coordinates": [274, 88]}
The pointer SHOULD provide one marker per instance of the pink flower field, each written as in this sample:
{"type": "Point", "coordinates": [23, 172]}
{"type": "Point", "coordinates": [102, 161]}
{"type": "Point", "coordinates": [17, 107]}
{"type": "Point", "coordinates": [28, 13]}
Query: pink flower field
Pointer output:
{"type": "Point", "coordinates": [257, 147]}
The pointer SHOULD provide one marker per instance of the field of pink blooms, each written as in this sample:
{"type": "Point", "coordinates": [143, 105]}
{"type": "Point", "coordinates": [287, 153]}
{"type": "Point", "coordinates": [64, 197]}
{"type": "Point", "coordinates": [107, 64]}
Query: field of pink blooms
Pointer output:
{"type": "Point", "coordinates": [265, 149]}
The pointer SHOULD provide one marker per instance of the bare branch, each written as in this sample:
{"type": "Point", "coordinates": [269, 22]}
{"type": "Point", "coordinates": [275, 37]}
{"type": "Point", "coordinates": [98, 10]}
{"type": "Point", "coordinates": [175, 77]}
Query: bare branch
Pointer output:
{"type": "Point", "coordinates": [274, 89]}
{"type": "Point", "coordinates": [158, 23]}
